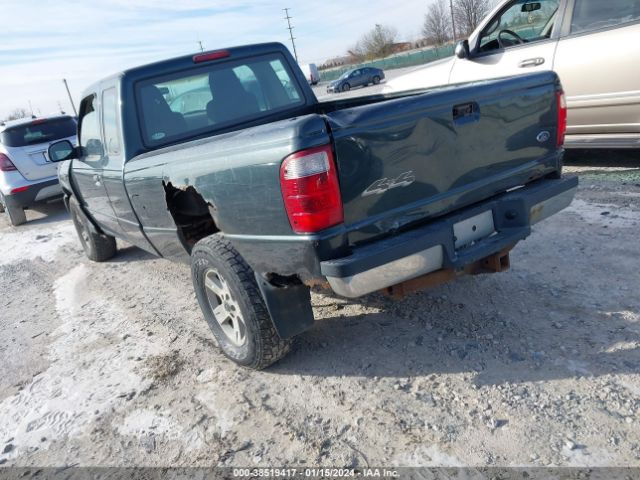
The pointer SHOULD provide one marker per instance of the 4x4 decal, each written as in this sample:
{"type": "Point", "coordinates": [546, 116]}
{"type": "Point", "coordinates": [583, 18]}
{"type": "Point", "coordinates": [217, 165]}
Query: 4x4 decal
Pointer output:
{"type": "Point", "coordinates": [380, 186]}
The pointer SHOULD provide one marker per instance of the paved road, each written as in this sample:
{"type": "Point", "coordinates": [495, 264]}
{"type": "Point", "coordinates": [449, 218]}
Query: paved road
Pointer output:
{"type": "Point", "coordinates": [321, 89]}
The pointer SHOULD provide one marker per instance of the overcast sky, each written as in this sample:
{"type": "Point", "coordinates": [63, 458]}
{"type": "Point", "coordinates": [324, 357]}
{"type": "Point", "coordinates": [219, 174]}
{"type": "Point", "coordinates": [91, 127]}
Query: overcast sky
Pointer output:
{"type": "Point", "coordinates": [43, 41]}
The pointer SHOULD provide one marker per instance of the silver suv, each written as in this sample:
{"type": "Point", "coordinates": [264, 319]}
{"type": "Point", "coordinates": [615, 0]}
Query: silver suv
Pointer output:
{"type": "Point", "coordinates": [26, 174]}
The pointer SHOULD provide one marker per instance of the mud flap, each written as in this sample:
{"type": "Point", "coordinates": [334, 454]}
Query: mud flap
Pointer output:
{"type": "Point", "coordinates": [289, 307]}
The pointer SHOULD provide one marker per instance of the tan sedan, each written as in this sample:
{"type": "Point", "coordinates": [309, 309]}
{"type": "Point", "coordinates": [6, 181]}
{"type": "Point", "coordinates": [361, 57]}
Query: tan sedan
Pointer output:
{"type": "Point", "coordinates": [593, 45]}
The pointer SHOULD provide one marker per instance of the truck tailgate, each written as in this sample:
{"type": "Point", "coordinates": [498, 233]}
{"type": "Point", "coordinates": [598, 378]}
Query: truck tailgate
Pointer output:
{"type": "Point", "coordinates": [404, 160]}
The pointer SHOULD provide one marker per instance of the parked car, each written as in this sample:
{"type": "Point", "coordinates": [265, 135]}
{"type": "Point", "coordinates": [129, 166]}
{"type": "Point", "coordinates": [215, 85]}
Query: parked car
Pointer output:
{"type": "Point", "coordinates": [311, 72]}
{"type": "Point", "coordinates": [267, 196]}
{"type": "Point", "coordinates": [27, 176]}
{"type": "Point", "coordinates": [591, 44]}
{"type": "Point", "coordinates": [359, 77]}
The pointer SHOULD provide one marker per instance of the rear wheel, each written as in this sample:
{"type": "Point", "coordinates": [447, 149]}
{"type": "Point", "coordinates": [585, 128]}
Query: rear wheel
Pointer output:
{"type": "Point", "coordinates": [376, 80]}
{"type": "Point", "coordinates": [346, 87]}
{"type": "Point", "coordinates": [232, 305]}
{"type": "Point", "coordinates": [98, 247]}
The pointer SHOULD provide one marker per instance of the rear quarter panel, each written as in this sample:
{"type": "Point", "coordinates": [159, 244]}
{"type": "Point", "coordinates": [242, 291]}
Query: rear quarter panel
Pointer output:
{"type": "Point", "coordinates": [237, 174]}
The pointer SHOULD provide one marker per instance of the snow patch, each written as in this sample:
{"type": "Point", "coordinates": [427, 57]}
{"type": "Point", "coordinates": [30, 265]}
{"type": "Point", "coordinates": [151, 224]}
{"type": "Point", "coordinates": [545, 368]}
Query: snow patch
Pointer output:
{"type": "Point", "coordinates": [427, 457]}
{"type": "Point", "coordinates": [29, 244]}
{"type": "Point", "coordinates": [140, 422]}
{"type": "Point", "coordinates": [223, 416]}
{"type": "Point", "coordinates": [614, 215]}
{"type": "Point", "coordinates": [93, 370]}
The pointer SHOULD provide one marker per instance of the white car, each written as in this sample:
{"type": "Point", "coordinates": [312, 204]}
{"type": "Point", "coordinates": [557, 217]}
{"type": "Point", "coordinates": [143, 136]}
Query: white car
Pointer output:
{"type": "Point", "coordinates": [591, 44]}
{"type": "Point", "coordinates": [26, 174]}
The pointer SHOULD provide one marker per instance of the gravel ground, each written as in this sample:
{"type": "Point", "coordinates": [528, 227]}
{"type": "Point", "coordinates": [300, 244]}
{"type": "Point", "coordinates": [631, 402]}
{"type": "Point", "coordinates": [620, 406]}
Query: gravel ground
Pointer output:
{"type": "Point", "coordinates": [112, 364]}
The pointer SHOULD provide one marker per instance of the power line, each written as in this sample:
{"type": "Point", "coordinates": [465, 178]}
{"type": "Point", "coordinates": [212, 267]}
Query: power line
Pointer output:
{"type": "Point", "coordinates": [64, 80]}
{"type": "Point", "coordinates": [288, 19]}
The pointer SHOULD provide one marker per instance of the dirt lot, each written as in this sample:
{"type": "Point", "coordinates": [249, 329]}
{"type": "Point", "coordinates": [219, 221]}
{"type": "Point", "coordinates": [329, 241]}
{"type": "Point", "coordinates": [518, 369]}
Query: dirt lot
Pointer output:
{"type": "Point", "coordinates": [112, 364]}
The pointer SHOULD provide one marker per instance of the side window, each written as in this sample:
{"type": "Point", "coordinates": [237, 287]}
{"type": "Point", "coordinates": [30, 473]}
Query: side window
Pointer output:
{"type": "Point", "coordinates": [522, 21]}
{"type": "Point", "coordinates": [89, 128]}
{"type": "Point", "coordinates": [110, 121]}
{"type": "Point", "coordinates": [250, 84]}
{"type": "Point", "coordinates": [285, 80]}
{"type": "Point", "coordinates": [595, 14]}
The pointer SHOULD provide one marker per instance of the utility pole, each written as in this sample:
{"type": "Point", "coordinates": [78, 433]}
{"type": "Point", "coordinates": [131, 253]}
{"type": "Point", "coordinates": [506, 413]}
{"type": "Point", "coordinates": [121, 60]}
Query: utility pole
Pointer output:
{"type": "Point", "coordinates": [288, 19]}
{"type": "Point", "coordinates": [31, 108]}
{"type": "Point", "coordinates": [64, 80]}
{"type": "Point", "coordinates": [453, 20]}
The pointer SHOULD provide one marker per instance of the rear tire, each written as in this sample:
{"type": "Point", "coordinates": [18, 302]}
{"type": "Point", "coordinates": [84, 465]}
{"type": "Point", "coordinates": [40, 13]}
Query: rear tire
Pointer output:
{"type": "Point", "coordinates": [98, 247]}
{"type": "Point", "coordinates": [232, 305]}
{"type": "Point", "coordinates": [376, 80]}
{"type": "Point", "coordinates": [17, 216]}
{"type": "Point", "coordinates": [346, 87]}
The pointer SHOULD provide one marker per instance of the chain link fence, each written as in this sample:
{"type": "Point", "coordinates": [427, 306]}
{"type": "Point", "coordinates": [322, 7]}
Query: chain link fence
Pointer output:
{"type": "Point", "coordinates": [400, 60]}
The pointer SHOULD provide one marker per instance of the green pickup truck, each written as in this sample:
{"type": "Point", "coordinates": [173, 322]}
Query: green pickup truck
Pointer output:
{"type": "Point", "coordinates": [227, 160]}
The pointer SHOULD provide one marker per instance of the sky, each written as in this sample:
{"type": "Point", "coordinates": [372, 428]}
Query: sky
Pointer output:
{"type": "Point", "coordinates": [44, 41]}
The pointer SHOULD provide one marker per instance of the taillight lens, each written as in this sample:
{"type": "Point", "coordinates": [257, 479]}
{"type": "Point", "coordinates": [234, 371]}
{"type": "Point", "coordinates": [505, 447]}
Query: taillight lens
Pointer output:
{"type": "Point", "coordinates": [5, 164]}
{"type": "Point", "coordinates": [310, 189]}
{"type": "Point", "coordinates": [562, 117]}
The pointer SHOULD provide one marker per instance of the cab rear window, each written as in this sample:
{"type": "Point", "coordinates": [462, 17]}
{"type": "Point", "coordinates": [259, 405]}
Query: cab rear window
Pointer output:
{"type": "Point", "coordinates": [212, 97]}
{"type": "Point", "coordinates": [38, 131]}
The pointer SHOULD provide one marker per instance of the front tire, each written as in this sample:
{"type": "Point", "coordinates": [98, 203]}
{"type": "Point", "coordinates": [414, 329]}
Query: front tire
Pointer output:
{"type": "Point", "coordinates": [376, 80]}
{"type": "Point", "coordinates": [346, 87]}
{"type": "Point", "coordinates": [232, 305]}
{"type": "Point", "coordinates": [98, 247]}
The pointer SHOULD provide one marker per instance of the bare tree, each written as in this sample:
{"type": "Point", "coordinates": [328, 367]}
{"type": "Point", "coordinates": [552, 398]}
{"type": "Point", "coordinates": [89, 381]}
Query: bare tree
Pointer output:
{"type": "Point", "coordinates": [469, 13]}
{"type": "Point", "coordinates": [437, 23]}
{"type": "Point", "coordinates": [17, 113]}
{"type": "Point", "coordinates": [376, 43]}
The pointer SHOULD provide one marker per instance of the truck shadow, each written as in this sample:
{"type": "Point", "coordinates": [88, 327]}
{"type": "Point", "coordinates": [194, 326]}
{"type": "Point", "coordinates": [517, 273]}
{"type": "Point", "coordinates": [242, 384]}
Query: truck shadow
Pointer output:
{"type": "Point", "coordinates": [47, 213]}
{"type": "Point", "coordinates": [602, 158]}
{"type": "Point", "coordinates": [130, 253]}
{"type": "Point", "coordinates": [451, 330]}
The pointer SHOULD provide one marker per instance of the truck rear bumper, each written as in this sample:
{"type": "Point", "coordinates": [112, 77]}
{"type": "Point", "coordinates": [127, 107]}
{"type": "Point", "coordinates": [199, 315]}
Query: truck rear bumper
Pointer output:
{"type": "Point", "coordinates": [453, 242]}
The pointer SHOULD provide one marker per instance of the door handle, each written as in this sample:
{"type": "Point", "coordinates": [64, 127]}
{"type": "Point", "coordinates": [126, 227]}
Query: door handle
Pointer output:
{"type": "Point", "coordinates": [531, 62]}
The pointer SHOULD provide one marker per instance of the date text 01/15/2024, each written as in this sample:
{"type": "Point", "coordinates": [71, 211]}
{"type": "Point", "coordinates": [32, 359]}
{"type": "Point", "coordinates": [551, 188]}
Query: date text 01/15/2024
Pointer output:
{"type": "Point", "coordinates": [314, 473]}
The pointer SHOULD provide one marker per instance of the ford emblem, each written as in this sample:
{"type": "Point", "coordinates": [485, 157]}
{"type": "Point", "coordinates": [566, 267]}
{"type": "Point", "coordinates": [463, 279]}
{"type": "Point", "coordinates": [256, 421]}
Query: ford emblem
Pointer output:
{"type": "Point", "coordinates": [543, 136]}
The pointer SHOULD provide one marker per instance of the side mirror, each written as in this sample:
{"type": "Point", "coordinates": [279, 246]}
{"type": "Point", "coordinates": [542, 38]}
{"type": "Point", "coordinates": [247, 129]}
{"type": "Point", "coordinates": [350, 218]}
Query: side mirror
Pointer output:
{"type": "Point", "coordinates": [462, 49]}
{"type": "Point", "coordinates": [62, 150]}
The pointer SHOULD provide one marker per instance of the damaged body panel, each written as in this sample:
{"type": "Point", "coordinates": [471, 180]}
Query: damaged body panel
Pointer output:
{"type": "Point", "coordinates": [229, 153]}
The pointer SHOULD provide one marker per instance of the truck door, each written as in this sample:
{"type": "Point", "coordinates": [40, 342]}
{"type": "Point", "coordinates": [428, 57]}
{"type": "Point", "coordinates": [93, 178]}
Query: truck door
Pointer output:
{"type": "Point", "coordinates": [520, 38]}
{"type": "Point", "coordinates": [112, 173]}
{"type": "Point", "coordinates": [88, 169]}
{"type": "Point", "coordinates": [599, 65]}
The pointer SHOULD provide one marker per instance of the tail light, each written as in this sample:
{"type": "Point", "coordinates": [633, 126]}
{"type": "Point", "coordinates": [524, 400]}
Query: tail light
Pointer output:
{"type": "Point", "coordinates": [19, 189]}
{"type": "Point", "coordinates": [310, 189]}
{"type": "Point", "coordinates": [5, 164]}
{"type": "Point", "coordinates": [562, 117]}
